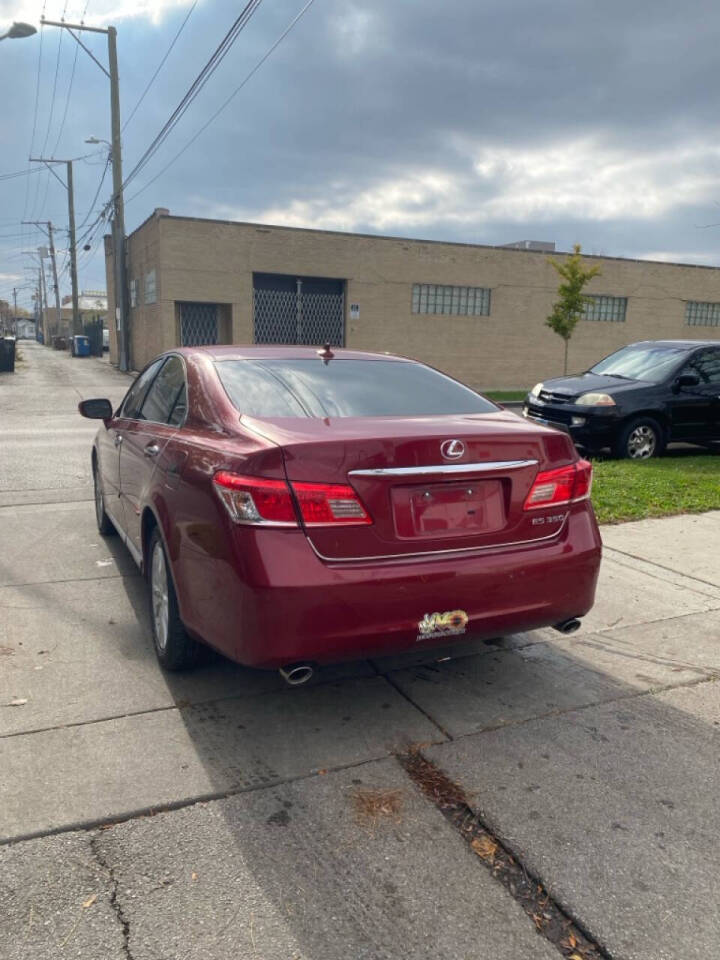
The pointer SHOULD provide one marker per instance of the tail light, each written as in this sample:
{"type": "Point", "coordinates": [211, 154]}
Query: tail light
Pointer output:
{"type": "Point", "coordinates": [256, 499]}
{"type": "Point", "coordinates": [260, 500]}
{"type": "Point", "coordinates": [564, 485]}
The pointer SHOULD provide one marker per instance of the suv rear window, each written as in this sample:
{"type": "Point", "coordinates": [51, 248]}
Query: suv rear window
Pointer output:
{"type": "Point", "coordinates": [306, 387]}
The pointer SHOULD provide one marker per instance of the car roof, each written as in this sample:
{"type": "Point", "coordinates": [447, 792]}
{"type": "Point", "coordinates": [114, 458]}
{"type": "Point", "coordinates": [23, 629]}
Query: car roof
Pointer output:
{"type": "Point", "coordinates": [688, 344]}
{"type": "Point", "coordinates": [242, 351]}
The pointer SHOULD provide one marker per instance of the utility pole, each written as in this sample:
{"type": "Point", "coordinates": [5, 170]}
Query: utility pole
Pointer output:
{"type": "Point", "coordinates": [39, 325]}
{"type": "Point", "coordinates": [49, 227]}
{"type": "Point", "coordinates": [15, 313]}
{"type": "Point", "coordinates": [55, 279]}
{"type": "Point", "coordinates": [76, 323]}
{"type": "Point", "coordinates": [122, 317]}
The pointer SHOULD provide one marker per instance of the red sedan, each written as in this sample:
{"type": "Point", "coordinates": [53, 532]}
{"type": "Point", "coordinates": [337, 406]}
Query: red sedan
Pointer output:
{"type": "Point", "coordinates": [293, 506]}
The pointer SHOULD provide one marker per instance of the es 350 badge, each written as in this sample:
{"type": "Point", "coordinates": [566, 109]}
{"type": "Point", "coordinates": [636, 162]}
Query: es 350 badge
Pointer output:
{"type": "Point", "coordinates": [452, 623]}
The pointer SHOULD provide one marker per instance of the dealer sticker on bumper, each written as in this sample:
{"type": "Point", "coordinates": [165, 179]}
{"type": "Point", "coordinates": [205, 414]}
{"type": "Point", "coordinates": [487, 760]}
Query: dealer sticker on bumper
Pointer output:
{"type": "Point", "coordinates": [433, 626]}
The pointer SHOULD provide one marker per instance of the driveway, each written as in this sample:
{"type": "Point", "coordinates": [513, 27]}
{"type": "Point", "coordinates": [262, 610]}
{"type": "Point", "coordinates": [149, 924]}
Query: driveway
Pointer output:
{"type": "Point", "coordinates": [221, 814]}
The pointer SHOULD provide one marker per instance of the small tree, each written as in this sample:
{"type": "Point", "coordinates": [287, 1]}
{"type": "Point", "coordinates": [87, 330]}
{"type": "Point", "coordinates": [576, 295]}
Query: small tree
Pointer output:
{"type": "Point", "coordinates": [568, 309]}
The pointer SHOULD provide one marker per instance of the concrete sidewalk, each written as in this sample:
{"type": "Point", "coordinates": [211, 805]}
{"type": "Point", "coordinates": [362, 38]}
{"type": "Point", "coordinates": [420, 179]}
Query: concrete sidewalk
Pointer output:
{"type": "Point", "coordinates": [592, 757]}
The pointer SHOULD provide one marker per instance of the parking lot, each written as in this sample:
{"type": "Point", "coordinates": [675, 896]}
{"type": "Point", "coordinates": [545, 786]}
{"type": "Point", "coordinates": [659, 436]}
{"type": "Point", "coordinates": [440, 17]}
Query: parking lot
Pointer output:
{"type": "Point", "coordinates": [222, 814]}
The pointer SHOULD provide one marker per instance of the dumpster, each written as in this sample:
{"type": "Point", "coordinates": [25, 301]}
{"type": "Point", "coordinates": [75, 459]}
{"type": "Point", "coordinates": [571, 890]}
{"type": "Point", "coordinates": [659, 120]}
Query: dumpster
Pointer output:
{"type": "Point", "coordinates": [7, 354]}
{"type": "Point", "coordinates": [81, 346]}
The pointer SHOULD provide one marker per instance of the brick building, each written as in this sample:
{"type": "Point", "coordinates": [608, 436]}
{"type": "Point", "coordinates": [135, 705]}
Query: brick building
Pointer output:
{"type": "Point", "coordinates": [474, 311]}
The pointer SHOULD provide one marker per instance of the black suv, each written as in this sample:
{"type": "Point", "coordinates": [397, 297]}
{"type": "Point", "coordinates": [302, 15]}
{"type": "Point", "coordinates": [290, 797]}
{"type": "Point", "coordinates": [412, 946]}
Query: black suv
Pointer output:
{"type": "Point", "coordinates": [638, 399]}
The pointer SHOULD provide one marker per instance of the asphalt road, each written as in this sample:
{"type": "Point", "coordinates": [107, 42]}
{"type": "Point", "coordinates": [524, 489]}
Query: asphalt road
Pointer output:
{"type": "Point", "coordinates": [222, 814]}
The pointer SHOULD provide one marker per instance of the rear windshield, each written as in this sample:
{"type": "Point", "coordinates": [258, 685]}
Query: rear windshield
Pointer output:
{"type": "Point", "coordinates": [307, 387]}
{"type": "Point", "coordinates": [643, 362]}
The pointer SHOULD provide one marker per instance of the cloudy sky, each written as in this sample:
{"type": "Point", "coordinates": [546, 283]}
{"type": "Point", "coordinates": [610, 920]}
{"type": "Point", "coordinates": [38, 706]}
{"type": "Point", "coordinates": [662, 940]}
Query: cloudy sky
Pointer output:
{"type": "Point", "coordinates": [591, 121]}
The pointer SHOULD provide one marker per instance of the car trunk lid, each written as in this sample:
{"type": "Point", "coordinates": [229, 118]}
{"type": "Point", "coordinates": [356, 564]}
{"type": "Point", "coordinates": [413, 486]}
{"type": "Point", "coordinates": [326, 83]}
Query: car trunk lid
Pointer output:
{"type": "Point", "coordinates": [420, 498]}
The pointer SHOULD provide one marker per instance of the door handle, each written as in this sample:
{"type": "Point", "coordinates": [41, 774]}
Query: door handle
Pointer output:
{"type": "Point", "coordinates": [151, 450]}
{"type": "Point", "coordinates": [118, 439]}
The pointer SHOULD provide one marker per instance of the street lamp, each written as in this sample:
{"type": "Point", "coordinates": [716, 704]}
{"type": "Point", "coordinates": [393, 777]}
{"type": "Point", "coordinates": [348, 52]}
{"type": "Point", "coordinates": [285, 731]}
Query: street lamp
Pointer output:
{"type": "Point", "coordinates": [19, 30]}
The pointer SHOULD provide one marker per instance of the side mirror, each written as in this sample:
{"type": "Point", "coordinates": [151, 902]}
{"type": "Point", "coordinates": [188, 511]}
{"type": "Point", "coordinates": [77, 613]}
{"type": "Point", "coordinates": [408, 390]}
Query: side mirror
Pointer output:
{"type": "Point", "coordinates": [685, 380]}
{"type": "Point", "coordinates": [95, 409]}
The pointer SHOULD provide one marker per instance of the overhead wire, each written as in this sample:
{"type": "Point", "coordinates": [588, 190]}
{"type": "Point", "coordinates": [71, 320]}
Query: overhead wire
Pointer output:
{"type": "Point", "coordinates": [70, 85]}
{"type": "Point", "coordinates": [154, 77]}
{"type": "Point", "coordinates": [52, 107]}
{"type": "Point", "coordinates": [226, 102]}
{"type": "Point", "coordinates": [197, 85]}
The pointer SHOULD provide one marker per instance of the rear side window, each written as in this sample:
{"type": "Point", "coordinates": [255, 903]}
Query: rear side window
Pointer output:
{"type": "Point", "coordinates": [166, 398]}
{"type": "Point", "coordinates": [307, 387]}
{"type": "Point", "coordinates": [706, 365]}
{"type": "Point", "coordinates": [136, 394]}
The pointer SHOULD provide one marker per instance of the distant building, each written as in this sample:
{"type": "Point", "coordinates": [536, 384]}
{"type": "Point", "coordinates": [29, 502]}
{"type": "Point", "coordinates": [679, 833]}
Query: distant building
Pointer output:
{"type": "Point", "coordinates": [92, 305]}
{"type": "Point", "coordinates": [542, 246]}
{"type": "Point", "coordinates": [476, 312]}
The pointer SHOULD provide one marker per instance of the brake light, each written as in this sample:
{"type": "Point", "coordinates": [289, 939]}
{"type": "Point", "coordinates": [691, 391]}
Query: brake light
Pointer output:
{"type": "Point", "coordinates": [325, 504]}
{"type": "Point", "coordinates": [564, 485]}
{"type": "Point", "coordinates": [260, 500]}
{"type": "Point", "coordinates": [255, 499]}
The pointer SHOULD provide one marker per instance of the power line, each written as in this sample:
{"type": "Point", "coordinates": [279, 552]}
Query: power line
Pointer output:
{"type": "Point", "coordinates": [20, 173]}
{"type": "Point", "coordinates": [50, 118]}
{"type": "Point", "coordinates": [70, 85]}
{"type": "Point", "coordinates": [202, 78]}
{"type": "Point", "coordinates": [160, 66]}
{"type": "Point", "coordinates": [97, 193]}
{"type": "Point", "coordinates": [222, 107]}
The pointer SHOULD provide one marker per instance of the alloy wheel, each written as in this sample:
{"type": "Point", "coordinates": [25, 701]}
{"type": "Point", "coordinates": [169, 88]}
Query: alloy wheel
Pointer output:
{"type": "Point", "coordinates": [641, 443]}
{"type": "Point", "coordinates": [159, 590]}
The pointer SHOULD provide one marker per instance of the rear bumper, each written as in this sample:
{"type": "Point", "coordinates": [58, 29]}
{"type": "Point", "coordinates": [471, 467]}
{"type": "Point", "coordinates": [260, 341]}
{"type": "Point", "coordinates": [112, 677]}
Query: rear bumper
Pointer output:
{"type": "Point", "coordinates": [296, 607]}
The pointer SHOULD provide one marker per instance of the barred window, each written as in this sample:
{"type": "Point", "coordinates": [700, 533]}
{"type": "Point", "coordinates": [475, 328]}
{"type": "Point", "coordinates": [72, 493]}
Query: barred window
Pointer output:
{"type": "Point", "coordinates": [457, 301]}
{"type": "Point", "coordinates": [133, 293]}
{"type": "Point", "coordinates": [150, 293]}
{"type": "Point", "coordinates": [702, 314]}
{"type": "Point", "coordinates": [611, 309]}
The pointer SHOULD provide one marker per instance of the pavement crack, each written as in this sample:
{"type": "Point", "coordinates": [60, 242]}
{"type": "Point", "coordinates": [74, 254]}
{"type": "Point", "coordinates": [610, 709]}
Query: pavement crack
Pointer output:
{"type": "Point", "coordinates": [398, 689]}
{"type": "Point", "coordinates": [660, 566]}
{"type": "Point", "coordinates": [114, 899]}
{"type": "Point", "coordinates": [550, 919]}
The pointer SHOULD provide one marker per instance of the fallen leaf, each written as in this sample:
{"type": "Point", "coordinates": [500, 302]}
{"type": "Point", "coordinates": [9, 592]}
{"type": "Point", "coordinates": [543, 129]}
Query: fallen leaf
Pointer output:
{"type": "Point", "coordinates": [322, 772]}
{"type": "Point", "coordinates": [575, 956]}
{"type": "Point", "coordinates": [484, 846]}
{"type": "Point", "coordinates": [20, 702]}
{"type": "Point", "coordinates": [90, 901]}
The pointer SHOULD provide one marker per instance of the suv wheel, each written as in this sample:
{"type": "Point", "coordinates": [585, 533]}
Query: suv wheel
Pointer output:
{"type": "Point", "coordinates": [174, 648]}
{"type": "Point", "coordinates": [640, 439]}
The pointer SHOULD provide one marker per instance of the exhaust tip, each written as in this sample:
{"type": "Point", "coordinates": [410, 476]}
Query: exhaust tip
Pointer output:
{"type": "Point", "coordinates": [296, 674]}
{"type": "Point", "coordinates": [568, 626]}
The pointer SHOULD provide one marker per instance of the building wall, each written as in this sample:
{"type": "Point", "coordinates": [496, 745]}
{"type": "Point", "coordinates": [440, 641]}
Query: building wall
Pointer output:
{"type": "Point", "coordinates": [213, 261]}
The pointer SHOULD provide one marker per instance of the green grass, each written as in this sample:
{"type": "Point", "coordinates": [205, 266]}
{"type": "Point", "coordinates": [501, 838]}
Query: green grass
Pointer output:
{"type": "Point", "coordinates": [631, 490]}
{"type": "Point", "coordinates": [502, 395]}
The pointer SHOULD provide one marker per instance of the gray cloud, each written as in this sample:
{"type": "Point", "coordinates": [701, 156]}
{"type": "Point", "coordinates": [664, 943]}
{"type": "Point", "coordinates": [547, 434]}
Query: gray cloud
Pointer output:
{"type": "Point", "coordinates": [587, 121]}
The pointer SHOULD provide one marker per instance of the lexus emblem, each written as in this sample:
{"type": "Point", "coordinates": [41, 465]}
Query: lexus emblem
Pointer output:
{"type": "Point", "coordinates": [452, 449]}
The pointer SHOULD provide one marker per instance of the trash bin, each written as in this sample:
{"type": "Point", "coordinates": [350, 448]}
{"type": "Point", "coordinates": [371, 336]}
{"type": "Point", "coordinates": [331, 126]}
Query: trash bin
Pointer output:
{"type": "Point", "coordinates": [81, 346]}
{"type": "Point", "coordinates": [7, 355]}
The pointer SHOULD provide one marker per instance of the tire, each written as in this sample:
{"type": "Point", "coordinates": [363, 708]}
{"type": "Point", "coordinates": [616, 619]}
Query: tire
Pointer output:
{"type": "Point", "coordinates": [174, 649]}
{"type": "Point", "coordinates": [104, 523]}
{"type": "Point", "coordinates": [640, 439]}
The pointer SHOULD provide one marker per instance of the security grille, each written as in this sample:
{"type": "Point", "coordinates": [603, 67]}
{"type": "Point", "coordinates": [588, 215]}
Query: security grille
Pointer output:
{"type": "Point", "coordinates": [198, 324]}
{"type": "Point", "coordinates": [307, 310]}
